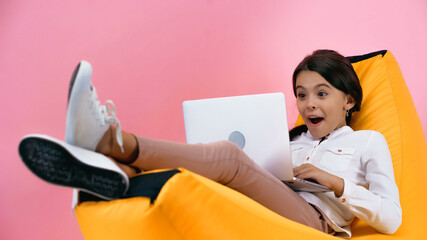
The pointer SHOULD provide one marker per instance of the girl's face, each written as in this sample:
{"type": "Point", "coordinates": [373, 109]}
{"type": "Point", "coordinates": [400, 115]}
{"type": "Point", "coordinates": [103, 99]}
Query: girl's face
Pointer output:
{"type": "Point", "coordinates": [321, 105]}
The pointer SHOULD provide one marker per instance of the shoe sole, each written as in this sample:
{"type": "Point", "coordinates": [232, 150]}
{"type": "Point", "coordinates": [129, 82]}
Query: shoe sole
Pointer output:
{"type": "Point", "coordinates": [54, 164]}
{"type": "Point", "coordinates": [82, 71]}
{"type": "Point", "coordinates": [73, 79]}
{"type": "Point", "coordinates": [87, 69]}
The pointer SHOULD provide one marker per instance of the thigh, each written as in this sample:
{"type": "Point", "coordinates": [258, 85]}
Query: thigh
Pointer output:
{"type": "Point", "coordinates": [227, 164]}
{"type": "Point", "coordinates": [258, 184]}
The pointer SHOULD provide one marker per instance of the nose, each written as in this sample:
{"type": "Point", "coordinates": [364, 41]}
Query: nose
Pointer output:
{"type": "Point", "coordinates": [311, 104]}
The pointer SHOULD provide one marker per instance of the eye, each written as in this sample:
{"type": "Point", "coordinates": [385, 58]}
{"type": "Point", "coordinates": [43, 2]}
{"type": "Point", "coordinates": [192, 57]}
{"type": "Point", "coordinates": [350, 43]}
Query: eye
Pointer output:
{"type": "Point", "coordinates": [322, 94]}
{"type": "Point", "coordinates": [301, 95]}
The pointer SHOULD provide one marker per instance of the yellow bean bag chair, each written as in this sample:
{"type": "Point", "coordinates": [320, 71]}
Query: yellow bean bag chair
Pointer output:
{"type": "Point", "coordinates": [178, 204]}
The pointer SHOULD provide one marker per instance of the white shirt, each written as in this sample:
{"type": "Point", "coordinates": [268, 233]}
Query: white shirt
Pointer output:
{"type": "Point", "coordinates": [363, 160]}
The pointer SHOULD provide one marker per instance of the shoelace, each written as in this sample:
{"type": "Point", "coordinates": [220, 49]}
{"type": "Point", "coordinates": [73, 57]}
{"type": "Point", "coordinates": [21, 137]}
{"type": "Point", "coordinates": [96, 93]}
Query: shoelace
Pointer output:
{"type": "Point", "coordinates": [106, 114]}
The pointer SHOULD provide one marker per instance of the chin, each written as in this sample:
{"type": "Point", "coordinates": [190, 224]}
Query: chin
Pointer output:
{"type": "Point", "coordinates": [317, 134]}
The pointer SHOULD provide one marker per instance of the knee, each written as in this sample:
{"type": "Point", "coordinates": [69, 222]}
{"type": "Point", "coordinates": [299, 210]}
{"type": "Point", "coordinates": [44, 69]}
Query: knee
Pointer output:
{"type": "Point", "coordinates": [232, 163]}
{"type": "Point", "coordinates": [232, 152]}
{"type": "Point", "coordinates": [229, 146]}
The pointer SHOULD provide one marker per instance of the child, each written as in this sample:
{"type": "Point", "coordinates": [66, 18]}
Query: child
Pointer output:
{"type": "Point", "coordinates": [356, 166]}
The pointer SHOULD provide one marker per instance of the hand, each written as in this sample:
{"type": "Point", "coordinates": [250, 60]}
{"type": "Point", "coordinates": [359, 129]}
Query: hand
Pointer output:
{"type": "Point", "coordinates": [308, 171]}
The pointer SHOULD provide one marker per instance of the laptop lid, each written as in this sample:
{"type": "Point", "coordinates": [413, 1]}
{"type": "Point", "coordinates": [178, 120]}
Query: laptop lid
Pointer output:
{"type": "Point", "coordinates": [256, 123]}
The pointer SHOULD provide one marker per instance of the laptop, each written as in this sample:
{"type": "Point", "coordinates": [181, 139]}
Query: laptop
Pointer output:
{"type": "Point", "coordinates": [256, 123]}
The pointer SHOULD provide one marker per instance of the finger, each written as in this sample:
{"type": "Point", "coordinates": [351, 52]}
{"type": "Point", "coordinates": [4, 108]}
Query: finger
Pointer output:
{"type": "Point", "coordinates": [305, 174]}
{"type": "Point", "coordinates": [301, 169]}
{"type": "Point", "coordinates": [308, 171]}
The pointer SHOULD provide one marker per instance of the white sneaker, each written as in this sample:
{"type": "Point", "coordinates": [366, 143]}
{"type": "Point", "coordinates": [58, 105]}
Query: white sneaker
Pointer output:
{"type": "Point", "coordinates": [63, 164]}
{"type": "Point", "coordinates": [87, 120]}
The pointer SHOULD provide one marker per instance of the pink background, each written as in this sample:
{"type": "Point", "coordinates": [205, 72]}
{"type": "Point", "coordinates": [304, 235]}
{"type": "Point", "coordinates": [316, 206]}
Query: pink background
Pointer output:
{"type": "Point", "coordinates": [149, 56]}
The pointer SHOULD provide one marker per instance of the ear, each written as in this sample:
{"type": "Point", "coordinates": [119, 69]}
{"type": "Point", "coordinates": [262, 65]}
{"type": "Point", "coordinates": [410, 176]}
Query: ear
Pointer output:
{"type": "Point", "coordinates": [349, 102]}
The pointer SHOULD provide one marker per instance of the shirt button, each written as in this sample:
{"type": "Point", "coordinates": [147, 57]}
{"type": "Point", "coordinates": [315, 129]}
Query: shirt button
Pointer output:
{"type": "Point", "coordinates": [339, 150]}
{"type": "Point", "coordinates": [308, 158]}
{"type": "Point", "coordinates": [343, 200]}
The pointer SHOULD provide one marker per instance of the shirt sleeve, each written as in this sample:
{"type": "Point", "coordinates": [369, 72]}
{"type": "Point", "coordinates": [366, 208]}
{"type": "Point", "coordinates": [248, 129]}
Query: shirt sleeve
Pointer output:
{"type": "Point", "coordinates": [378, 205]}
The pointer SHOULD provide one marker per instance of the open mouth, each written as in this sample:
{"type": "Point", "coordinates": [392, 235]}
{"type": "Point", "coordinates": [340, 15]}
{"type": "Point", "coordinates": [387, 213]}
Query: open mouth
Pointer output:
{"type": "Point", "coordinates": [315, 120]}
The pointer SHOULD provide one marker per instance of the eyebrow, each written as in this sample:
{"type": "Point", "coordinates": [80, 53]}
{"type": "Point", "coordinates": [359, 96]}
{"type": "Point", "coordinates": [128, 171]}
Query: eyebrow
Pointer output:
{"type": "Point", "coordinates": [317, 86]}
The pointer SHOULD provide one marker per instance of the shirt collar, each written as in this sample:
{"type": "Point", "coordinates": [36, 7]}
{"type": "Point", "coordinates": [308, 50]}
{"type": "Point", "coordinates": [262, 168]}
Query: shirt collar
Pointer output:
{"type": "Point", "coordinates": [333, 134]}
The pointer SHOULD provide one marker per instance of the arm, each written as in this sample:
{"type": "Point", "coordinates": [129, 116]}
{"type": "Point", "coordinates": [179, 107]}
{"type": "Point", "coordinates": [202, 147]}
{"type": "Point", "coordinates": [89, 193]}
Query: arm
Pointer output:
{"type": "Point", "coordinates": [308, 171]}
{"type": "Point", "coordinates": [379, 206]}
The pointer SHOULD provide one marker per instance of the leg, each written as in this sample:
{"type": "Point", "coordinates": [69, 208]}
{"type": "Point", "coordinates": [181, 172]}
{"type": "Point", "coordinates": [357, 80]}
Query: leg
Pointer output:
{"type": "Point", "coordinates": [108, 146]}
{"type": "Point", "coordinates": [224, 163]}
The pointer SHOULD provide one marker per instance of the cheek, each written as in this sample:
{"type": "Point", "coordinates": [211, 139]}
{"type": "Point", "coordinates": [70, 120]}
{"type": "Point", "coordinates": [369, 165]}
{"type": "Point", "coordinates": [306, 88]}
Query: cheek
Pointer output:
{"type": "Point", "coordinates": [336, 112]}
{"type": "Point", "coordinates": [330, 110]}
{"type": "Point", "coordinates": [300, 106]}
